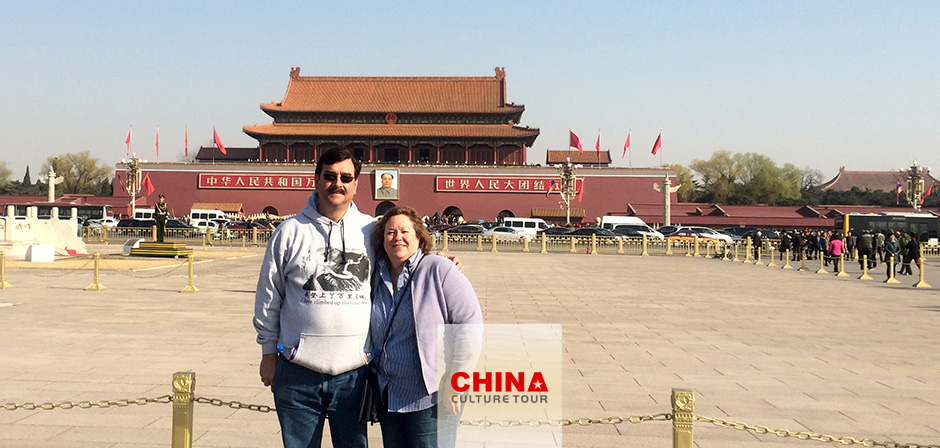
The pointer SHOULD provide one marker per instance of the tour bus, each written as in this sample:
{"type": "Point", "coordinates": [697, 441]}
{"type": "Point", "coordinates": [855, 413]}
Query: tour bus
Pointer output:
{"type": "Point", "coordinates": [610, 222]}
{"type": "Point", "coordinates": [526, 226]}
{"type": "Point", "coordinates": [924, 225]}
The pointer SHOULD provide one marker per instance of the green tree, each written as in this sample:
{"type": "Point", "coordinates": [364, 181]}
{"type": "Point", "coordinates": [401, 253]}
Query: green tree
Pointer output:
{"type": "Point", "coordinates": [687, 189]}
{"type": "Point", "coordinates": [5, 173]}
{"type": "Point", "coordinates": [718, 176]}
{"type": "Point", "coordinates": [81, 172]}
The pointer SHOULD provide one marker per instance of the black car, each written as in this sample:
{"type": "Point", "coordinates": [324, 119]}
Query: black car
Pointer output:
{"type": "Point", "coordinates": [584, 231]}
{"type": "Point", "coordinates": [627, 231]}
{"type": "Point", "coordinates": [556, 231]}
{"type": "Point", "coordinates": [466, 229]}
{"type": "Point", "coordinates": [129, 223]}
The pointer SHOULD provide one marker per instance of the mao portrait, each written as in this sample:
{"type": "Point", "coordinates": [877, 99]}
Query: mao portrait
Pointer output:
{"type": "Point", "coordinates": [386, 184]}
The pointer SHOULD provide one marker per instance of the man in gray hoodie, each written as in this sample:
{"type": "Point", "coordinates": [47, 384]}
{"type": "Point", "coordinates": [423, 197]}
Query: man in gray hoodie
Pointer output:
{"type": "Point", "coordinates": [312, 309]}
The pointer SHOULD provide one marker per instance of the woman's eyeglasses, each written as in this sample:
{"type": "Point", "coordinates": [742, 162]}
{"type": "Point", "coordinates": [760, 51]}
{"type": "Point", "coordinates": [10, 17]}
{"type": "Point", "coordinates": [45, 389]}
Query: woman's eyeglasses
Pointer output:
{"type": "Point", "coordinates": [331, 177]}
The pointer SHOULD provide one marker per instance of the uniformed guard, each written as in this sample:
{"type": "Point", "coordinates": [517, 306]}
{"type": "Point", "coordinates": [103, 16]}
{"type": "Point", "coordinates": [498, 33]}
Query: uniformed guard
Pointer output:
{"type": "Point", "coordinates": [161, 213]}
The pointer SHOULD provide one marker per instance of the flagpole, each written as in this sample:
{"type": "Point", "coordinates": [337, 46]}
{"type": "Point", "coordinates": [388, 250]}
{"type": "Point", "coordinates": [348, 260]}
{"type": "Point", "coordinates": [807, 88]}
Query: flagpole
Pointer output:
{"type": "Point", "coordinates": [660, 147]}
{"type": "Point", "coordinates": [630, 150]}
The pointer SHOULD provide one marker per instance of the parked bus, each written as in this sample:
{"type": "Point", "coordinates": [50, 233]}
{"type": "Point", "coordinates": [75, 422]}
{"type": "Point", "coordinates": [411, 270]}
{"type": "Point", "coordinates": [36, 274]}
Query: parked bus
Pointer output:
{"type": "Point", "coordinates": [65, 210]}
{"type": "Point", "coordinates": [924, 225]}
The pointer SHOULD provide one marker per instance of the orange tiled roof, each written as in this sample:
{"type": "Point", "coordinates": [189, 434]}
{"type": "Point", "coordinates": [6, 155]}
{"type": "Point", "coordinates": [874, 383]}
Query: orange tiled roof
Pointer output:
{"type": "Point", "coordinates": [395, 94]}
{"type": "Point", "coordinates": [388, 130]}
{"type": "Point", "coordinates": [556, 212]}
{"type": "Point", "coordinates": [589, 156]}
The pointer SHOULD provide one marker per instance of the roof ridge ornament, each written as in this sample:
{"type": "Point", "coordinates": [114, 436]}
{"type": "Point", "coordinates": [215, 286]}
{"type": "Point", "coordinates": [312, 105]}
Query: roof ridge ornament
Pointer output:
{"type": "Point", "coordinates": [294, 72]}
{"type": "Point", "coordinates": [500, 72]}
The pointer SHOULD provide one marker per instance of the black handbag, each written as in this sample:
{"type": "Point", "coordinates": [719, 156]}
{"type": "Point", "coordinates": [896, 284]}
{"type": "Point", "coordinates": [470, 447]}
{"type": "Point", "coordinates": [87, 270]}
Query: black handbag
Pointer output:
{"type": "Point", "coordinates": [370, 407]}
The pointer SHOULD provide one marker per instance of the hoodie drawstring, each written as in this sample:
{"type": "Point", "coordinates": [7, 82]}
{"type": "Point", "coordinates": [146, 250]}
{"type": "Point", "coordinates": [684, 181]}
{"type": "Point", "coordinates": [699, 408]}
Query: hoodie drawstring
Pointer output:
{"type": "Point", "coordinates": [329, 237]}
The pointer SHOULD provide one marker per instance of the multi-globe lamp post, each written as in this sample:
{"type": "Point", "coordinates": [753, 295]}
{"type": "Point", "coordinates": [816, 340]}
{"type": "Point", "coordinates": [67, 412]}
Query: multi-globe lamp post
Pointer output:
{"type": "Point", "coordinates": [568, 186]}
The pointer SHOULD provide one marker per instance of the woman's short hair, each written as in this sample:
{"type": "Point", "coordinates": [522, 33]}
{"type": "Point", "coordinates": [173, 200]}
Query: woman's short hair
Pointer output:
{"type": "Point", "coordinates": [421, 232]}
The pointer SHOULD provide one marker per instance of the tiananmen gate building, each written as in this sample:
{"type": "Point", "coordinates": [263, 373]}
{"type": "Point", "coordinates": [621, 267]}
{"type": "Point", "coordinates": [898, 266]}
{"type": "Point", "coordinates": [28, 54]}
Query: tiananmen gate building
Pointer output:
{"type": "Point", "coordinates": [446, 145]}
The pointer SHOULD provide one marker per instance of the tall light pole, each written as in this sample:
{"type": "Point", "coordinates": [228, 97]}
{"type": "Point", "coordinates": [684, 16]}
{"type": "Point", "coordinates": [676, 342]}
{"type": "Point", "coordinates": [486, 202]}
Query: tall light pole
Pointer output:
{"type": "Point", "coordinates": [568, 187]}
{"type": "Point", "coordinates": [915, 185]}
{"type": "Point", "coordinates": [133, 168]}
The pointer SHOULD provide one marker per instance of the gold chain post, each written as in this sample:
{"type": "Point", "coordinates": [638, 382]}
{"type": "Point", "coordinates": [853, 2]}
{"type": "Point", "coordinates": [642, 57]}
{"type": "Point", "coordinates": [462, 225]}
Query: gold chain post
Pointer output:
{"type": "Point", "coordinates": [683, 408]}
{"type": "Point", "coordinates": [842, 266]}
{"type": "Point", "coordinates": [525, 243]}
{"type": "Point", "coordinates": [494, 243]}
{"type": "Point", "coordinates": [747, 250]}
{"type": "Point", "coordinates": [244, 241]}
{"type": "Point", "coordinates": [480, 242]}
{"type": "Point", "coordinates": [696, 253]}
{"type": "Point", "coordinates": [891, 278]}
{"type": "Point", "coordinates": [803, 267]}
{"type": "Point", "coordinates": [620, 246]}
{"type": "Point", "coordinates": [191, 287]}
{"type": "Point", "coordinates": [735, 252]}
{"type": "Point", "coordinates": [153, 232]}
{"type": "Point", "coordinates": [759, 256]}
{"type": "Point", "coordinates": [593, 244]}
{"type": "Point", "coordinates": [771, 264]}
{"type": "Point", "coordinates": [822, 269]}
{"type": "Point", "coordinates": [184, 384]}
{"type": "Point", "coordinates": [3, 271]}
{"type": "Point", "coordinates": [787, 264]}
{"type": "Point", "coordinates": [254, 237]}
{"type": "Point", "coordinates": [864, 275]}
{"type": "Point", "coordinates": [572, 244]}
{"type": "Point", "coordinates": [445, 247]}
{"type": "Point", "coordinates": [921, 283]}
{"type": "Point", "coordinates": [544, 244]}
{"type": "Point", "coordinates": [668, 246]}
{"type": "Point", "coordinates": [645, 252]}
{"type": "Point", "coordinates": [96, 285]}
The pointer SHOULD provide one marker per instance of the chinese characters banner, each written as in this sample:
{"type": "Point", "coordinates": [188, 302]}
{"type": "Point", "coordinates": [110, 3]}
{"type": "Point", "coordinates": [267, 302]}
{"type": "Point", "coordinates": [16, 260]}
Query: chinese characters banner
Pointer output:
{"type": "Point", "coordinates": [495, 185]}
{"type": "Point", "coordinates": [256, 181]}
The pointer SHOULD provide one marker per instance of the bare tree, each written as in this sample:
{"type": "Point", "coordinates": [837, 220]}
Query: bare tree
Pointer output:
{"type": "Point", "coordinates": [81, 172]}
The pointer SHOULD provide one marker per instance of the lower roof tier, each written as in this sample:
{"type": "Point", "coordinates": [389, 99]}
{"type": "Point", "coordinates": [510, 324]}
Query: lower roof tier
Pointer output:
{"type": "Point", "coordinates": [378, 131]}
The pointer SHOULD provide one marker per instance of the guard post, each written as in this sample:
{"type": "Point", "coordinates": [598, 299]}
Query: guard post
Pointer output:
{"type": "Point", "coordinates": [683, 407]}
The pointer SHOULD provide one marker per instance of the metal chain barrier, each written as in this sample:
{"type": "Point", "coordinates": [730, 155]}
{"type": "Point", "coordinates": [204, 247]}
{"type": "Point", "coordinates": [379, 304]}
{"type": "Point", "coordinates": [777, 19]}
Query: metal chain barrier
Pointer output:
{"type": "Point", "coordinates": [234, 404]}
{"type": "Point", "coordinates": [87, 404]}
{"type": "Point", "coordinates": [204, 266]}
{"type": "Point", "coordinates": [761, 429]}
{"type": "Point", "coordinates": [67, 271]}
{"type": "Point", "coordinates": [584, 421]}
{"type": "Point", "coordinates": [127, 273]}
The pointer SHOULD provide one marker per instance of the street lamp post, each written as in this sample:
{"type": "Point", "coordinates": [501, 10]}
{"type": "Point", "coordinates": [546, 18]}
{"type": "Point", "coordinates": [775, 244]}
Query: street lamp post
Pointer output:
{"type": "Point", "coordinates": [568, 186]}
{"type": "Point", "coordinates": [133, 168]}
{"type": "Point", "coordinates": [915, 185]}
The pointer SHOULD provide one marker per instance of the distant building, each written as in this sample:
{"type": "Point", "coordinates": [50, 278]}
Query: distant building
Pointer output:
{"type": "Point", "coordinates": [591, 159]}
{"type": "Point", "coordinates": [869, 180]}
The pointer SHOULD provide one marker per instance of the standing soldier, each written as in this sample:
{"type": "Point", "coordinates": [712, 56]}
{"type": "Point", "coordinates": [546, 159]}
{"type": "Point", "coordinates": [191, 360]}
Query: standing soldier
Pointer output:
{"type": "Point", "coordinates": [161, 213]}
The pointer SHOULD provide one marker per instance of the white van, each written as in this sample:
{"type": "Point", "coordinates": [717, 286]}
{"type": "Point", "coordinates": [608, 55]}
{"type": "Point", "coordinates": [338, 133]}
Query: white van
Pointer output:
{"type": "Point", "coordinates": [207, 215]}
{"type": "Point", "coordinates": [609, 222]}
{"type": "Point", "coordinates": [143, 213]}
{"type": "Point", "coordinates": [527, 226]}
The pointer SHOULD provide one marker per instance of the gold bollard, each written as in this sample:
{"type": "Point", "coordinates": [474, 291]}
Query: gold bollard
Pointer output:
{"type": "Point", "coordinates": [736, 252]}
{"type": "Point", "coordinates": [544, 244]}
{"type": "Point", "coordinates": [525, 244]}
{"type": "Point", "coordinates": [803, 261]}
{"type": "Point", "coordinates": [747, 250]}
{"type": "Point", "coordinates": [3, 271]}
{"type": "Point", "coordinates": [759, 254]}
{"type": "Point", "coordinates": [787, 264]}
{"type": "Point", "coordinates": [445, 247]}
{"type": "Point", "coordinates": [683, 408]}
{"type": "Point", "coordinates": [245, 242]}
{"type": "Point", "coordinates": [727, 253]}
{"type": "Point", "coordinates": [842, 267]}
{"type": "Point", "coordinates": [593, 244]}
{"type": "Point", "coordinates": [191, 287]}
{"type": "Point", "coordinates": [184, 386]}
{"type": "Point", "coordinates": [822, 269]}
{"type": "Point", "coordinates": [153, 233]}
{"type": "Point", "coordinates": [708, 251]}
{"type": "Point", "coordinates": [480, 242]}
{"type": "Point", "coordinates": [96, 285]}
{"type": "Point", "coordinates": [688, 248]}
{"type": "Point", "coordinates": [494, 243]}
{"type": "Point", "coordinates": [668, 246]}
{"type": "Point", "coordinates": [921, 283]}
{"type": "Point", "coordinates": [695, 241]}
{"type": "Point", "coordinates": [254, 237]}
{"type": "Point", "coordinates": [572, 244]}
{"type": "Point", "coordinates": [865, 275]}
{"type": "Point", "coordinates": [620, 246]}
{"type": "Point", "coordinates": [891, 278]}
{"type": "Point", "coordinates": [771, 264]}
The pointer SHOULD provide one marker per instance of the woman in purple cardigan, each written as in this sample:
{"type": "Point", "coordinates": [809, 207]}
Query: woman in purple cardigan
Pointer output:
{"type": "Point", "coordinates": [415, 293]}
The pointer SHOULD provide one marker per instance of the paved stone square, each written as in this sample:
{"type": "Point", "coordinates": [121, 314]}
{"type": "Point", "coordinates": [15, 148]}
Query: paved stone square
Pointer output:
{"type": "Point", "coordinates": [765, 346]}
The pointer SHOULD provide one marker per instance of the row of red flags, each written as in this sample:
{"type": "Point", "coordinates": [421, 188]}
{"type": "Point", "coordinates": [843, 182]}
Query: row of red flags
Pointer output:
{"type": "Point", "coordinates": [575, 142]}
{"type": "Point", "coordinates": [215, 138]}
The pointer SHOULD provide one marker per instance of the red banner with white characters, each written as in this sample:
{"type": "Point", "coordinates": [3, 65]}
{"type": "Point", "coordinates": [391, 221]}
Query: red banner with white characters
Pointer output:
{"type": "Point", "coordinates": [464, 184]}
{"type": "Point", "coordinates": [256, 181]}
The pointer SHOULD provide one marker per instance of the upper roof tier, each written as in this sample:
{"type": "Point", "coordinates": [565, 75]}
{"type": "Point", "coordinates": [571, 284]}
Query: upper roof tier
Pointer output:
{"type": "Point", "coordinates": [395, 94]}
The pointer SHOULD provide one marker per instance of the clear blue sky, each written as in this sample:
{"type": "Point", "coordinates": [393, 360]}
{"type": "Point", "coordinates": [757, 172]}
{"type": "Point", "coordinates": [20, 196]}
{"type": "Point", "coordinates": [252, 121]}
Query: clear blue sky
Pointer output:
{"type": "Point", "coordinates": [822, 84]}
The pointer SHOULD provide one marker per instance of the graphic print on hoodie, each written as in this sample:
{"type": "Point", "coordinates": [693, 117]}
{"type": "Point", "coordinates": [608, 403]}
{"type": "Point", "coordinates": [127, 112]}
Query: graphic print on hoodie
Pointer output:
{"type": "Point", "coordinates": [341, 271]}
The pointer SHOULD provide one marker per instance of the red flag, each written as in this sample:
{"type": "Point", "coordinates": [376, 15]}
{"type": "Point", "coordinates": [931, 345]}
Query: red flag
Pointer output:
{"type": "Point", "coordinates": [550, 187]}
{"type": "Point", "coordinates": [659, 143]}
{"type": "Point", "coordinates": [597, 146]}
{"type": "Point", "coordinates": [626, 146]}
{"type": "Point", "coordinates": [575, 142]}
{"type": "Point", "coordinates": [148, 184]}
{"type": "Point", "coordinates": [218, 141]}
{"type": "Point", "coordinates": [580, 190]}
{"type": "Point", "coordinates": [128, 141]}
{"type": "Point", "coordinates": [186, 141]}
{"type": "Point", "coordinates": [929, 190]}
{"type": "Point", "coordinates": [157, 141]}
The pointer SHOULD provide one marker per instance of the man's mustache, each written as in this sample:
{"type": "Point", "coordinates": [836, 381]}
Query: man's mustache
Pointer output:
{"type": "Point", "coordinates": [332, 190]}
